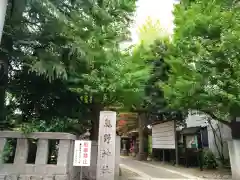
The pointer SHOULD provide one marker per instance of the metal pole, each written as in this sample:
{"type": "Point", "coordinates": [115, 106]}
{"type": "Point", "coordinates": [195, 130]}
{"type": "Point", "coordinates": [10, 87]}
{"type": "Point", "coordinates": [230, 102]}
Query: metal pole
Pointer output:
{"type": "Point", "coordinates": [176, 143]}
{"type": "Point", "coordinates": [3, 8]}
{"type": "Point", "coordinates": [81, 173]}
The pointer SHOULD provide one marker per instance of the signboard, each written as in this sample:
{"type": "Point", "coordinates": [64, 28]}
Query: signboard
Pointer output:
{"type": "Point", "coordinates": [106, 146]}
{"type": "Point", "coordinates": [82, 153]}
{"type": "Point", "coordinates": [163, 135]}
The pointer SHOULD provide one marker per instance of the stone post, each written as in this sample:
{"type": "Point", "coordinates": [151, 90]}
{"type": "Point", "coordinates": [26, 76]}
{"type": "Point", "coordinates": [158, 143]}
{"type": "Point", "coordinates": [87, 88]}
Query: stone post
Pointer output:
{"type": "Point", "coordinates": [106, 146]}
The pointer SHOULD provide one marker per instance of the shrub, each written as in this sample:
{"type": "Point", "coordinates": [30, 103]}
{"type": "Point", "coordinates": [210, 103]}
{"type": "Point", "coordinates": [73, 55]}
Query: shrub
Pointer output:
{"type": "Point", "coordinates": [209, 160]}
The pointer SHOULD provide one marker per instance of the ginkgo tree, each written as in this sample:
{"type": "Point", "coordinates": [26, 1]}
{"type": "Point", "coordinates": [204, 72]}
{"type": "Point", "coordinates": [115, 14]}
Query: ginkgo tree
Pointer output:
{"type": "Point", "coordinates": [148, 56]}
{"type": "Point", "coordinates": [204, 59]}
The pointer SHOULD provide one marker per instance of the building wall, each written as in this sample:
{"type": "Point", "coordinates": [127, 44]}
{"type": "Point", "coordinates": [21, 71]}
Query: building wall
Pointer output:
{"type": "Point", "coordinates": [225, 136]}
{"type": "Point", "coordinates": [194, 120]}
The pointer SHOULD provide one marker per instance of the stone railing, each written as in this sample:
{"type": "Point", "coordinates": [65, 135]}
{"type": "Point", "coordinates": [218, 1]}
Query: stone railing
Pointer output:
{"type": "Point", "coordinates": [40, 169]}
{"type": "Point", "coordinates": [63, 169]}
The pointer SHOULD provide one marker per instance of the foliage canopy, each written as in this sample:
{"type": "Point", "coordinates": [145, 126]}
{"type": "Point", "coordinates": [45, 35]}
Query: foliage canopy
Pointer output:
{"type": "Point", "coordinates": [204, 59]}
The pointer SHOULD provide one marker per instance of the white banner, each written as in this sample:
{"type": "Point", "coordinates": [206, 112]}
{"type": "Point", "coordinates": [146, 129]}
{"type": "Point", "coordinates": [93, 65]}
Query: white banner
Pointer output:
{"type": "Point", "coordinates": [82, 153]}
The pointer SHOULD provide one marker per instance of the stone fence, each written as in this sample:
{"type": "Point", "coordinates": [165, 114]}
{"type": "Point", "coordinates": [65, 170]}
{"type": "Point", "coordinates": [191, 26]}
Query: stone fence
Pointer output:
{"type": "Point", "coordinates": [41, 169]}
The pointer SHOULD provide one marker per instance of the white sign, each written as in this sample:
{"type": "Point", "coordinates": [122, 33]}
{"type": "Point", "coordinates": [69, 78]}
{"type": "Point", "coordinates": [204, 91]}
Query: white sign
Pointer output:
{"type": "Point", "coordinates": [237, 119]}
{"type": "Point", "coordinates": [163, 135]}
{"type": "Point", "coordinates": [106, 146]}
{"type": "Point", "coordinates": [82, 153]}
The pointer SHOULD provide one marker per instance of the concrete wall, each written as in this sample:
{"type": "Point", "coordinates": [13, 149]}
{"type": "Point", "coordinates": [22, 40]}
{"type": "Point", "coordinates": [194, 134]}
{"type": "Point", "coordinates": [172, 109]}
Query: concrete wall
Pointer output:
{"type": "Point", "coordinates": [225, 136]}
{"type": "Point", "coordinates": [195, 120]}
{"type": "Point", "coordinates": [62, 170]}
{"type": "Point", "coordinates": [234, 152]}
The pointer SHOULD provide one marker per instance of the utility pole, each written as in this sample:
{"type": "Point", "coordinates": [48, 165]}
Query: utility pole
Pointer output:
{"type": "Point", "coordinates": [3, 8]}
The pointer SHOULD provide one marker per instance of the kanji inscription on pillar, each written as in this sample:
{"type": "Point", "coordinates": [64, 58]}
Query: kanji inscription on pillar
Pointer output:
{"type": "Point", "coordinates": [106, 146]}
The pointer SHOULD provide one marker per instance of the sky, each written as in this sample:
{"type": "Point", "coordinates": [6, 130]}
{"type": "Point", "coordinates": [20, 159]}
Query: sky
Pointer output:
{"type": "Point", "coordinates": [156, 9]}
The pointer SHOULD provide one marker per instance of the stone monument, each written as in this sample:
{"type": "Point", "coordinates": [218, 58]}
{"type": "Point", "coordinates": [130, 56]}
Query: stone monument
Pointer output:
{"type": "Point", "coordinates": [106, 146]}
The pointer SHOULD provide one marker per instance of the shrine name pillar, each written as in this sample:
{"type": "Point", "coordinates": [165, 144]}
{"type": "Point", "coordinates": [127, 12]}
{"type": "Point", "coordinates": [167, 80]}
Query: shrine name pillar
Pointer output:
{"type": "Point", "coordinates": [106, 146]}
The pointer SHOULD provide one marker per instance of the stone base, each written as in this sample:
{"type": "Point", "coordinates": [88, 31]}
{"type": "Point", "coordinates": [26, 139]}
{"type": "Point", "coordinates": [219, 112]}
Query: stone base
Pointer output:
{"type": "Point", "coordinates": [141, 157]}
{"type": "Point", "coordinates": [149, 158]}
{"type": "Point", "coordinates": [124, 152]}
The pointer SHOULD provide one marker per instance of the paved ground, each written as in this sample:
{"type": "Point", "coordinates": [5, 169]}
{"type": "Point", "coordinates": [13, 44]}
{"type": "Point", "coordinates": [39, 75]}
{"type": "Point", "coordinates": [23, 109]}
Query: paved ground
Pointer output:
{"type": "Point", "coordinates": [149, 171]}
{"type": "Point", "coordinates": [127, 174]}
{"type": "Point", "coordinates": [217, 174]}
{"type": "Point", "coordinates": [156, 171]}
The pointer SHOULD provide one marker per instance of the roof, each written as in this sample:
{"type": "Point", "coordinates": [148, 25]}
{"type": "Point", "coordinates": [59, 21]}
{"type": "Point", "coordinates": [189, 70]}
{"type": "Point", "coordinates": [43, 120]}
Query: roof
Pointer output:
{"type": "Point", "coordinates": [160, 122]}
{"type": "Point", "coordinates": [190, 130]}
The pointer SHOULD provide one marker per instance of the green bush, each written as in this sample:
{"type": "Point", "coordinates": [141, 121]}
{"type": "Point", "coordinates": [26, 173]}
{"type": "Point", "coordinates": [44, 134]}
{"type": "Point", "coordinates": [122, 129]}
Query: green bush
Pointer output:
{"type": "Point", "coordinates": [7, 155]}
{"type": "Point", "coordinates": [209, 160]}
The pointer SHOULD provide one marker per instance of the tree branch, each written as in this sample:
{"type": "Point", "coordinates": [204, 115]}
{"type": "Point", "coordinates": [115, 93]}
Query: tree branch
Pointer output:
{"type": "Point", "coordinates": [213, 116]}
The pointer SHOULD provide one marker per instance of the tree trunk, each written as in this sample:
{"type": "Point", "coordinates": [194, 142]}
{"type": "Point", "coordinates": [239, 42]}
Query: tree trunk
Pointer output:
{"type": "Point", "coordinates": [141, 120]}
{"type": "Point", "coordinates": [3, 67]}
{"type": "Point", "coordinates": [6, 43]}
{"type": "Point", "coordinates": [2, 95]}
{"type": "Point", "coordinates": [95, 113]}
{"type": "Point", "coordinates": [94, 130]}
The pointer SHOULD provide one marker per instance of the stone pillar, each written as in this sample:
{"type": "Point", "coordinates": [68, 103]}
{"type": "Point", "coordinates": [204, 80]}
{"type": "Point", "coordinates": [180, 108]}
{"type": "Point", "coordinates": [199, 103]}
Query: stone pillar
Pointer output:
{"type": "Point", "coordinates": [117, 157]}
{"type": "Point", "coordinates": [106, 146]}
{"type": "Point", "coordinates": [234, 154]}
{"type": "Point", "coordinates": [21, 152]}
{"type": "Point", "coordinates": [124, 151]}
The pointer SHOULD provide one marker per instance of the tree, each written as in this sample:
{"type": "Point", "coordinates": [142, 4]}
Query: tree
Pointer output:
{"type": "Point", "coordinates": [204, 59]}
{"type": "Point", "coordinates": [71, 44]}
{"type": "Point", "coordinates": [45, 106]}
{"type": "Point", "coordinates": [126, 122]}
{"type": "Point", "coordinates": [156, 41]}
{"type": "Point", "coordinates": [148, 56]}
{"type": "Point", "coordinates": [155, 102]}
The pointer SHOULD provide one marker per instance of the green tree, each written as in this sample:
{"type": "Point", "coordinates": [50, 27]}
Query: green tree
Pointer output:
{"type": "Point", "coordinates": [148, 55]}
{"type": "Point", "coordinates": [156, 105]}
{"type": "Point", "coordinates": [70, 44]}
{"type": "Point", "coordinates": [204, 59]}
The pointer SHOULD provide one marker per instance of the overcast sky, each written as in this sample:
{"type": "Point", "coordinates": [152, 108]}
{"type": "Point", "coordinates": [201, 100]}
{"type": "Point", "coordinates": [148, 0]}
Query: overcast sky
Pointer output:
{"type": "Point", "coordinates": [157, 10]}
